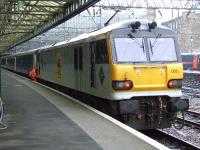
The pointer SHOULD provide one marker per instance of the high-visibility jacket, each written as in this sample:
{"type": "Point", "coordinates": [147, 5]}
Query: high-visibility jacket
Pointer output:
{"type": "Point", "coordinates": [195, 62]}
{"type": "Point", "coordinates": [33, 74]}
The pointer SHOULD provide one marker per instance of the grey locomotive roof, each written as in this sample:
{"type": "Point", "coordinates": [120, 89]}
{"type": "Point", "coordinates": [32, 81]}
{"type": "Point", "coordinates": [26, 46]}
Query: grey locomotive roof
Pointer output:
{"type": "Point", "coordinates": [122, 24]}
{"type": "Point", "coordinates": [27, 52]}
{"type": "Point", "coordinates": [31, 51]}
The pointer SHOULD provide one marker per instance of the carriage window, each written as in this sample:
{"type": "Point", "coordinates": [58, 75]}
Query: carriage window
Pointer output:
{"type": "Point", "coordinates": [11, 61]}
{"type": "Point", "coordinates": [101, 52]}
{"type": "Point", "coordinates": [130, 50]}
{"type": "Point", "coordinates": [80, 58]}
{"type": "Point", "coordinates": [162, 49]}
{"type": "Point", "coordinates": [76, 58]}
{"type": "Point", "coordinates": [3, 62]}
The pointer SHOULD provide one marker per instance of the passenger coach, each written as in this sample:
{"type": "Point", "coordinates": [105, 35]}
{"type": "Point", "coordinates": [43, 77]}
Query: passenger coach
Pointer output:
{"type": "Point", "coordinates": [191, 61]}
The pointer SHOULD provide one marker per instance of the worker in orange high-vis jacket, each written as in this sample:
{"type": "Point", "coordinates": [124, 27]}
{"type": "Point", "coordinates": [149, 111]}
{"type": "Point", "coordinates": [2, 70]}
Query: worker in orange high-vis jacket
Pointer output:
{"type": "Point", "coordinates": [33, 74]}
{"type": "Point", "coordinates": [195, 61]}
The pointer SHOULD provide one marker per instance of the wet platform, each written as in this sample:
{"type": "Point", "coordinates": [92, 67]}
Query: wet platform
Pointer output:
{"type": "Point", "coordinates": [37, 118]}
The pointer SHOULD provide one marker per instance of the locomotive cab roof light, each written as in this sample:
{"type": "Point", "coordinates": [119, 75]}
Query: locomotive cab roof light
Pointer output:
{"type": "Point", "coordinates": [152, 25]}
{"type": "Point", "coordinates": [135, 25]}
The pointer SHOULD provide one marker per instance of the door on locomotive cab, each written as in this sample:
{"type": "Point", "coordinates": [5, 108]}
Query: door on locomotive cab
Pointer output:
{"type": "Point", "coordinates": [38, 63]}
{"type": "Point", "coordinates": [98, 62]}
{"type": "Point", "coordinates": [78, 66]}
{"type": "Point", "coordinates": [92, 65]}
{"type": "Point", "coordinates": [15, 61]}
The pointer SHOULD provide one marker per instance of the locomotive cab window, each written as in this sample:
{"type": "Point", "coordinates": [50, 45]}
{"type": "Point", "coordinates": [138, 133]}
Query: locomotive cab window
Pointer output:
{"type": "Point", "coordinates": [101, 52]}
{"type": "Point", "coordinates": [162, 49]}
{"type": "Point", "coordinates": [138, 50]}
{"type": "Point", "coordinates": [130, 50]}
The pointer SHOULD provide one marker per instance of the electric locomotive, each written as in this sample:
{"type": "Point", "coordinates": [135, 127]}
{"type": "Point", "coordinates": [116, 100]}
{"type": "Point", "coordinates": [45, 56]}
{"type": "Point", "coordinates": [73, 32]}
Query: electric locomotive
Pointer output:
{"type": "Point", "coordinates": [131, 70]}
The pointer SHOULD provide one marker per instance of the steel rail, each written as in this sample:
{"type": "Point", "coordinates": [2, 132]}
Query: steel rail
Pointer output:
{"type": "Point", "coordinates": [159, 134]}
{"type": "Point", "coordinates": [197, 114]}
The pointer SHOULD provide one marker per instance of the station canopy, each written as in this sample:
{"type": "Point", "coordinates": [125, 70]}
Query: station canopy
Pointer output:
{"type": "Point", "coordinates": [21, 20]}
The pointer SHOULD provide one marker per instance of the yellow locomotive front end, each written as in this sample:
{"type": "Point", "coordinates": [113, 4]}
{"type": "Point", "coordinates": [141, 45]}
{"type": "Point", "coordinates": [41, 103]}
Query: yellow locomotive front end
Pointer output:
{"type": "Point", "coordinates": [157, 79]}
{"type": "Point", "coordinates": [146, 75]}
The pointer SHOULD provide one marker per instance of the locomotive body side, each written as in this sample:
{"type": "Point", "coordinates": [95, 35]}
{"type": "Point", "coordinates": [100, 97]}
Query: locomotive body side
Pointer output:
{"type": "Point", "coordinates": [77, 66]}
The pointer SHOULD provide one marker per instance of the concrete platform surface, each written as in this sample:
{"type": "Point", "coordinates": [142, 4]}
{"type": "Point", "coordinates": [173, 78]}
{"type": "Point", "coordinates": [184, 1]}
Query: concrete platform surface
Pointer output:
{"type": "Point", "coordinates": [34, 123]}
{"type": "Point", "coordinates": [40, 119]}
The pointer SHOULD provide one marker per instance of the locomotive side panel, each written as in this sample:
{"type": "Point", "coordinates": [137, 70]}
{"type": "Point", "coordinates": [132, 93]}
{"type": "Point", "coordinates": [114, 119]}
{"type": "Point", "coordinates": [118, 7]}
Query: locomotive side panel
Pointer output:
{"type": "Point", "coordinates": [61, 68]}
{"type": "Point", "coordinates": [99, 79]}
{"type": "Point", "coordinates": [77, 67]}
{"type": "Point", "coordinates": [47, 65]}
{"type": "Point", "coordinates": [92, 74]}
{"type": "Point", "coordinates": [68, 73]}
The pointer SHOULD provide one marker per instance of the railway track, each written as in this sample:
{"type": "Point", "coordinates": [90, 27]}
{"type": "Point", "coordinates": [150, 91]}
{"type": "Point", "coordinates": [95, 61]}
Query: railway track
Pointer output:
{"type": "Point", "coordinates": [189, 123]}
{"type": "Point", "coordinates": [191, 92]}
{"type": "Point", "coordinates": [181, 140]}
{"type": "Point", "coordinates": [177, 142]}
{"type": "Point", "coordinates": [170, 141]}
{"type": "Point", "coordinates": [196, 114]}
{"type": "Point", "coordinates": [191, 85]}
{"type": "Point", "coordinates": [191, 119]}
{"type": "Point", "coordinates": [194, 122]}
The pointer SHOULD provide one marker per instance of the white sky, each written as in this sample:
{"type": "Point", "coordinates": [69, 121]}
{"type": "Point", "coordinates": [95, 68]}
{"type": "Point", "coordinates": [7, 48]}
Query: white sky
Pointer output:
{"type": "Point", "coordinates": [166, 13]}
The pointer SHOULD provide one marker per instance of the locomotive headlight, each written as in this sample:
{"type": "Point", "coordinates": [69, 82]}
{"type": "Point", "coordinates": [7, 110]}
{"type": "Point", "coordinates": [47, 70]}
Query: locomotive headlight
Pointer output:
{"type": "Point", "coordinates": [122, 85]}
{"type": "Point", "coordinates": [135, 25]}
{"type": "Point", "coordinates": [152, 25]}
{"type": "Point", "coordinates": [174, 83]}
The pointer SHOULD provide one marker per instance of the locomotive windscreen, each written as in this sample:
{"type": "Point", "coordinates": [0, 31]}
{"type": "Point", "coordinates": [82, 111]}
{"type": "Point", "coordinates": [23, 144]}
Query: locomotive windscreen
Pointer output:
{"type": "Point", "coordinates": [130, 50]}
{"type": "Point", "coordinates": [162, 49]}
{"type": "Point", "coordinates": [145, 49]}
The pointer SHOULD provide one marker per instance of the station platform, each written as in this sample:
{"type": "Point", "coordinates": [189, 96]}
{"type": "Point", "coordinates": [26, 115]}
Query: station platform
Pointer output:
{"type": "Point", "coordinates": [38, 118]}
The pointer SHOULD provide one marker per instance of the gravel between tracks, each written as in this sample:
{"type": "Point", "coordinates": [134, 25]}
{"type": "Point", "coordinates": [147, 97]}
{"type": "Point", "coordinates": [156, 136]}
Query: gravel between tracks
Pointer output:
{"type": "Point", "coordinates": [186, 133]}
